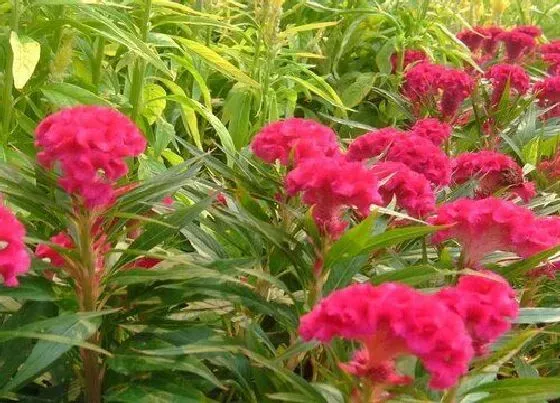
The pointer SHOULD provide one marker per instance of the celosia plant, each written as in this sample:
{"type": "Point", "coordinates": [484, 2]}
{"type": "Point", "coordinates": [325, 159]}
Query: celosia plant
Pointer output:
{"type": "Point", "coordinates": [14, 259]}
{"type": "Point", "coordinates": [389, 321]}
{"type": "Point", "coordinates": [293, 140]}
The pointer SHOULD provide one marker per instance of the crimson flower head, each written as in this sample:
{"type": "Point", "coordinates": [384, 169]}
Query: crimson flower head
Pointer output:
{"type": "Point", "coordinates": [331, 184]}
{"type": "Point", "coordinates": [548, 96]}
{"type": "Point", "coordinates": [531, 30]}
{"type": "Point", "coordinates": [494, 172]}
{"type": "Point", "coordinates": [488, 225]}
{"type": "Point", "coordinates": [471, 38]}
{"type": "Point", "coordinates": [491, 34]}
{"type": "Point", "coordinates": [425, 81]}
{"type": "Point", "coordinates": [432, 129]}
{"type": "Point", "coordinates": [418, 153]}
{"type": "Point", "coordinates": [410, 56]}
{"type": "Point", "coordinates": [501, 75]}
{"type": "Point", "coordinates": [411, 189]}
{"type": "Point", "coordinates": [293, 140]}
{"type": "Point", "coordinates": [517, 43]}
{"type": "Point", "coordinates": [389, 321]}
{"type": "Point", "coordinates": [14, 259]}
{"type": "Point", "coordinates": [90, 144]}
{"type": "Point", "coordinates": [487, 305]}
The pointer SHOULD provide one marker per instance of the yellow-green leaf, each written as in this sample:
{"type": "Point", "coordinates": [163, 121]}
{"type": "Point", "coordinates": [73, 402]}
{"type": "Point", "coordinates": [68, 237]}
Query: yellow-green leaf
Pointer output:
{"type": "Point", "coordinates": [154, 102]}
{"type": "Point", "coordinates": [217, 61]}
{"type": "Point", "coordinates": [26, 56]}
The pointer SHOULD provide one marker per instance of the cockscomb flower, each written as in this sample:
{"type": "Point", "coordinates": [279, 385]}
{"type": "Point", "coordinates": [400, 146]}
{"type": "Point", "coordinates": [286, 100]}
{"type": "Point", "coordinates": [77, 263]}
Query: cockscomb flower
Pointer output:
{"type": "Point", "coordinates": [493, 170]}
{"type": "Point", "coordinates": [421, 82]}
{"type": "Point", "coordinates": [373, 144]}
{"type": "Point", "coordinates": [412, 190]}
{"type": "Point", "coordinates": [456, 85]}
{"type": "Point", "coordinates": [471, 38]}
{"type": "Point", "coordinates": [487, 305]}
{"type": "Point", "coordinates": [531, 30]}
{"type": "Point", "coordinates": [14, 259]}
{"type": "Point", "coordinates": [293, 140]}
{"type": "Point", "coordinates": [517, 43]}
{"type": "Point", "coordinates": [553, 60]}
{"type": "Point", "coordinates": [549, 269]}
{"type": "Point", "coordinates": [410, 56]}
{"type": "Point", "coordinates": [432, 129]}
{"type": "Point", "coordinates": [488, 225]}
{"type": "Point", "coordinates": [61, 239]}
{"type": "Point", "coordinates": [393, 320]}
{"type": "Point", "coordinates": [551, 167]}
{"type": "Point", "coordinates": [491, 34]}
{"type": "Point", "coordinates": [502, 75]}
{"type": "Point", "coordinates": [425, 81]}
{"type": "Point", "coordinates": [551, 47]}
{"type": "Point", "coordinates": [89, 143]}
{"type": "Point", "coordinates": [330, 185]}
{"type": "Point", "coordinates": [418, 153]}
{"type": "Point", "coordinates": [422, 156]}
{"type": "Point", "coordinates": [548, 96]}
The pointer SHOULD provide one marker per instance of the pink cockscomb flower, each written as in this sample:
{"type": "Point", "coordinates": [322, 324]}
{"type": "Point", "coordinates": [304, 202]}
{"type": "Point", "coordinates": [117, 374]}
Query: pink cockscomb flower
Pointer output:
{"type": "Point", "coordinates": [292, 140]}
{"type": "Point", "coordinates": [418, 153]}
{"type": "Point", "coordinates": [494, 171]}
{"type": "Point", "coordinates": [410, 56]}
{"type": "Point", "coordinates": [425, 81]}
{"type": "Point", "coordinates": [421, 82]}
{"type": "Point", "coordinates": [61, 239]}
{"type": "Point", "coordinates": [471, 38]}
{"type": "Point", "coordinates": [412, 190]}
{"type": "Point", "coordinates": [432, 129]}
{"type": "Point", "coordinates": [487, 304]}
{"type": "Point", "coordinates": [330, 185]}
{"type": "Point", "coordinates": [517, 43]}
{"type": "Point", "coordinates": [373, 144]}
{"type": "Point", "coordinates": [422, 156]}
{"type": "Point", "coordinates": [502, 75]}
{"type": "Point", "coordinates": [491, 34]}
{"type": "Point", "coordinates": [553, 60]}
{"type": "Point", "coordinates": [548, 96]}
{"type": "Point", "coordinates": [14, 259]}
{"type": "Point", "coordinates": [549, 269]}
{"type": "Point", "coordinates": [393, 320]}
{"type": "Point", "coordinates": [488, 225]}
{"type": "Point", "coordinates": [551, 168]}
{"type": "Point", "coordinates": [144, 263]}
{"type": "Point", "coordinates": [89, 143]}
{"type": "Point", "coordinates": [531, 30]}
{"type": "Point", "coordinates": [456, 85]}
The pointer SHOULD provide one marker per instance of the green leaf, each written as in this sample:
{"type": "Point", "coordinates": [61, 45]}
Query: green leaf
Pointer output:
{"type": "Point", "coordinates": [529, 316]}
{"type": "Point", "coordinates": [65, 94]}
{"type": "Point", "coordinates": [26, 54]}
{"type": "Point", "coordinates": [128, 364]}
{"type": "Point", "coordinates": [520, 390]}
{"type": "Point", "coordinates": [383, 57]}
{"type": "Point", "coordinates": [139, 393]}
{"type": "Point", "coordinates": [361, 239]}
{"type": "Point", "coordinates": [219, 63]}
{"type": "Point", "coordinates": [154, 102]}
{"type": "Point", "coordinates": [412, 275]}
{"type": "Point", "coordinates": [164, 133]}
{"type": "Point", "coordinates": [358, 90]}
{"type": "Point", "coordinates": [56, 337]}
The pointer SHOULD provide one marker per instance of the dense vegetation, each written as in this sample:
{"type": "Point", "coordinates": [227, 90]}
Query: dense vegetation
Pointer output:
{"type": "Point", "coordinates": [198, 203]}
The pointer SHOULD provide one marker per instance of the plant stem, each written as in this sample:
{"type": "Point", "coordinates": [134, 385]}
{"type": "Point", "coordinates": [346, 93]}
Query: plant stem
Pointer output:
{"type": "Point", "coordinates": [89, 293]}
{"type": "Point", "coordinates": [450, 396]}
{"type": "Point", "coordinates": [7, 104]}
{"type": "Point", "coordinates": [98, 61]}
{"type": "Point", "coordinates": [140, 68]}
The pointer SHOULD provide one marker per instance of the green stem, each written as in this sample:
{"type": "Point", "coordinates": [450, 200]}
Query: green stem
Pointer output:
{"type": "Point", "coordinates": [7, 101]}
{"type": "Point", "coordinates": [424, 251]}
{"type": "Point", "coordinates": [450, 396]}
{"type": "Point", "coordinates": [89, 293]}
{"type": "Point", "coordinates": [140, 68]}
{"type": "Point", "coordinates": [98, 61]}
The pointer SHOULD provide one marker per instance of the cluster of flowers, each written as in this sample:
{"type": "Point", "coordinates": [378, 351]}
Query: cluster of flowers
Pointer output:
{"type": "Point", "coordinates": [14, 259]}
{"type": "Point", "coordinates": [377, 167]}
{"type": "Point", "coordinates": [444, 330]}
